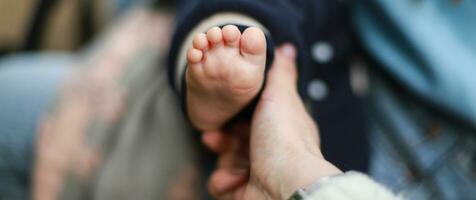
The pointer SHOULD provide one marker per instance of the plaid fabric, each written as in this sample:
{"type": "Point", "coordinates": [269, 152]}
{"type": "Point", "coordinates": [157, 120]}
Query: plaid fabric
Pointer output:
{"type": "Point", "coordinates": [116, 130]}
{"type": "Point", "coordinates": [417, 152]}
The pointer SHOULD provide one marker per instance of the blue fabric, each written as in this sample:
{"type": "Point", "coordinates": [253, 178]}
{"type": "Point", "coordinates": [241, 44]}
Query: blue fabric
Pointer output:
{"type": "Point", "coordinates": [27, 84]}
{"type": "Point", "coordinates": [417, 153]}
{"type": "Point", "coordinates": [122, 6]}
{"type": "Point", "coordinates": [429, 46]}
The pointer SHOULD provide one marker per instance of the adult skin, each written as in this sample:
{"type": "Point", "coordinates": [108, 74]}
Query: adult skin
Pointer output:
{"type": "Point", "coordinates": [278, 152]}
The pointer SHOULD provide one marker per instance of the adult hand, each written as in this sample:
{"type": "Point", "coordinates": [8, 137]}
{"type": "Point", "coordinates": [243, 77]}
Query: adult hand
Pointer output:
{"type": "Point", "coordinates": [279, 152]}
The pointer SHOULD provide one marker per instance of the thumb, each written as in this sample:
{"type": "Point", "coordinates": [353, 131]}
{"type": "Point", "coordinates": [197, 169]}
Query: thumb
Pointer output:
{"type": "Point", "coordinates": [283, 74]}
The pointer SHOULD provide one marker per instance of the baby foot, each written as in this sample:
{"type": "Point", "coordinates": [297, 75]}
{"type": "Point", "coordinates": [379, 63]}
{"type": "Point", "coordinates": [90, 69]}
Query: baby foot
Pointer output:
{"type": "Point", "coordinates": [225, 72]}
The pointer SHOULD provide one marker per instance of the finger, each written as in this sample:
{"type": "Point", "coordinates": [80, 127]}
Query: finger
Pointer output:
{"type": "Point", "coordinates": [236, 138]}
{"type": "Point", "coordinates": [240, 138]}
{"type": "Point", "coordinates": [217, 141]}
{"type": "Point", "coordinates": [283, 73]}
{"type": "Point", "coordinates": [233, 160]}
{"type": "Point", "coordinates": [223, 182]}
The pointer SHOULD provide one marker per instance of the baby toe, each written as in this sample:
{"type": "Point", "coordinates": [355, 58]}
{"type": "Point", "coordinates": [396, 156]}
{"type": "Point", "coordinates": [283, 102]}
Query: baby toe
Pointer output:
{"type": "Point", "coordinates": [253, 42]}
{"type": "Point", "coordinates": [215, 36]}
{"type": "Point", "coordinates": [194, 55]}
{"type": "Point", "coordinates": [231, 35]}
{"type": "Point", "coordinates": [200, 41]}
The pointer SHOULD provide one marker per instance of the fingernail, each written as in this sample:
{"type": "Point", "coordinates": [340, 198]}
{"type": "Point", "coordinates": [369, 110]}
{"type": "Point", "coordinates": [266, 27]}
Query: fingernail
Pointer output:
{"type": "Point", "coordinates": [289, 51]}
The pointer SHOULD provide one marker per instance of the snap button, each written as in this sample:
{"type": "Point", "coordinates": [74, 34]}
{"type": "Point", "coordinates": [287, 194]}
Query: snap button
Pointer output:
{"type": "Point", "coordinates": [317, 90]}
{"type": "Point", "coordinates": [322, 52]}
{"type": "Point", "coordinates": [359, 80]}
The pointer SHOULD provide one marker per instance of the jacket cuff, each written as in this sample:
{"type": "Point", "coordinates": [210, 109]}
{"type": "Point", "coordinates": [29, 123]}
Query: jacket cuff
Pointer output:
{"type": "Point", "coordinates": [349, 186]}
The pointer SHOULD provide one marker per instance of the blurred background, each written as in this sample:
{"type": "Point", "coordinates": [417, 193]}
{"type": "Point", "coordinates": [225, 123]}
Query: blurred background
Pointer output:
{"type": "Point", "coordinates": [87, 80]}
{"type": "Point", "coordinates": [60, 25]}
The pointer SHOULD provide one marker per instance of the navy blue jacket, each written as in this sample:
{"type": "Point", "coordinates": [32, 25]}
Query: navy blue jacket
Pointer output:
{"type": "Point", "coordinates": [321, 32]}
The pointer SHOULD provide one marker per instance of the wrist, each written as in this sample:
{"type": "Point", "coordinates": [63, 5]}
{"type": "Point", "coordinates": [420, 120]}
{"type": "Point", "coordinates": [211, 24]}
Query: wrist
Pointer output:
{"type": "Point", "coordinates": [305, 171]}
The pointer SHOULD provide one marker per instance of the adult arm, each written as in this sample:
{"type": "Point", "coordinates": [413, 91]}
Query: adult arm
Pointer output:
{"type": "Point", "coordinates": [284, 152]}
